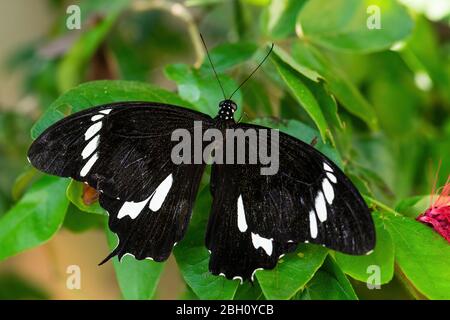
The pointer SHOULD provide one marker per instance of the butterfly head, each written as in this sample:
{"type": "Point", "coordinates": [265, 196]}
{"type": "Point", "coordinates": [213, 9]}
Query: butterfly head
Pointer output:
{"type": "Point", "coordinates": [227, 109]}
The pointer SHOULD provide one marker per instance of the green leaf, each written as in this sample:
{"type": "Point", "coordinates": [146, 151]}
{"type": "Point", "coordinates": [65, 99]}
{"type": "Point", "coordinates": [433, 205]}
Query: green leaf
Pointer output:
{"type": "Point", "coordinates": [137, 279]}
{"type": "Point", "coordinates": [201, 88]}
{"type": "Point", "coordinates": [297, 86]}
{"type": "Point", "coordinates": [298, 66]}
{"type": "Point", "coordinates": [15, 287]}
{"type": "Point", "coordinates": [226, 56]}
{"type": "Point", "coordinates": [304, 133]}
{"type": "Point", "coordinates": [280, 17]}
{"type": "Point", "coordinates": [336, 82]}
{"type": "Point", "coordinates": [414, 206]}
{"type": "Point", "coordinates": [72, 67]}
{"type": "Point", "coordinates": [79, 221]}
{"type": "Point", "coordinates": [292, 272]}
{"type": "Point", "coordinates": [35, 218]}
{"type": "Point", "coordinates": [382, 256]}
{"type": "Point", "coordinates": [329, 283]}
{"type": "Point", "coordinates": [249, 291]}
{"type": "Point", "coordinates": [349, 24]}
{"type": "Point", "coordinates": [95, 93]}
{"type": "Point", "coordinates": [75, 195]}
{"type": "Point", "coordinates": [193, 257]}
{"type": "Point", "coordinates": [421, 254]}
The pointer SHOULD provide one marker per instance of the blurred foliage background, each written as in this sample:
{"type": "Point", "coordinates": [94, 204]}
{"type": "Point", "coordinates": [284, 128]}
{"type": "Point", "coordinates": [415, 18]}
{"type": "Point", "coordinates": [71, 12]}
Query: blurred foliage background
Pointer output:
{"type": "Point", "coordinates": [378, 101]}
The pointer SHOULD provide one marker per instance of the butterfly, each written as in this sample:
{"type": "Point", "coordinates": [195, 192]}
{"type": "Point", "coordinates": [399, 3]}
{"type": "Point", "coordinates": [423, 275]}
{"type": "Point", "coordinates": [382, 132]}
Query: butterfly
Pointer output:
{"type": "Point", "coordinates": [124, 150]}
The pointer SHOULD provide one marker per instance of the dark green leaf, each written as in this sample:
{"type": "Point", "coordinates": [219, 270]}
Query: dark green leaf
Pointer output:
{"type": "Point", "coordinates": [336, 82]}
{"type": "Point", "coordinates": [80, 221]}
{"type": "Point", "coordinates": [329, 283]}
{"type": "Point", "coordinates": [35, 218]}
{"type": "Point", "coordinates": [304, 96]}
{"type": "Point", "coordinates": [137, 279]}
{"type": "Point", "coordinates": [193, 257]}
{"type": "Point", "coordinates": [292, 272]}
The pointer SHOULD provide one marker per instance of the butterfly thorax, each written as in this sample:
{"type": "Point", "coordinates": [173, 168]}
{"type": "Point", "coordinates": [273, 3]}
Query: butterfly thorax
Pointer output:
{"type": "Point", "coordinates": [227, 110]}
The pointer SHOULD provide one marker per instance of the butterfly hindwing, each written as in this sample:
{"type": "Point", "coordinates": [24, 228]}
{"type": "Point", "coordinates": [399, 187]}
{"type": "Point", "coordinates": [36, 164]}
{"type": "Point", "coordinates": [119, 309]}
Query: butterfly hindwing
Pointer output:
{"type": "Point", "coordinates": [150, 228]}
{"type": "Point", "coordinates": [309, 199]}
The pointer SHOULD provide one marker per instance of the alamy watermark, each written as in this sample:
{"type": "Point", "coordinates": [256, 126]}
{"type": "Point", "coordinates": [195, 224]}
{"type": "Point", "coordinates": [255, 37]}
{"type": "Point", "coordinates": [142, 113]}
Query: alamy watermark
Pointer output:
{"type": "Point", "coordinates": [73, 21]}
{"type": "Point", "coordinates": [249, 146]}
{"type": "Point", "coordinates": [73, 281]}
{"type": "Point", "coordinates": [374, 279]}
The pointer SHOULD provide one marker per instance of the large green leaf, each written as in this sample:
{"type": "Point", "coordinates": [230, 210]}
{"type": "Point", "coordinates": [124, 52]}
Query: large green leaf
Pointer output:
{"type": "Point", "coordinates": [382, 256]}
{"type": "Point", "coordinates": [201, 88]}
{"type": "Point", "coordinates": [292, 272]}
{"type": "Point", "coordinates": [336, 81]}
{"type": "Point", "coordinates": [329, 283]}
{"type": "Point", "coordinates": [296, 83]}
{"type": "Point", "coordinates": [193, 257]}
{"type": "Point", "coordinates": [344, 24]}
{"type": "Point", "coordinates": [137, 279]}
{"type": "Point", "coordinates": [95, 93]}
{"type": "Point", "coordinates": [35, 218]}
{"type": "Point", "coordinates": [422, 255]}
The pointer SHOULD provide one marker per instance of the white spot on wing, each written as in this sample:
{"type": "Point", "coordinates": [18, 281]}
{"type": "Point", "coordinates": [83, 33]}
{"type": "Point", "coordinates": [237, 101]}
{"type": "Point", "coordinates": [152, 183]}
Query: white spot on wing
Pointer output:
{"type": "Point", "coordinates": [97, 117]}
{"type": "Point", "coordinates": [242, 223]}
{"type": "Point", "coordinates": [132, 209]}
{"type": "Point", "coordinates": [253, 273]}
{"type": "Point", "coordinates": [328, 190]}
{"type": "Point", "coordinates": [331, 177]}
{"type": "Point", "coordinates": [106, 111]}
{"type": "Point", "coordinates": [238, 278]}
{"type": "Point", "coordinates": [260, 242]}
{"type": "Point", "coordinates": [91, 147]}
{"type": "Point", "coordinates": [161, 193]}
{"type": "Point", "coordinates": [327, 167]}
{"type": "Point", "coordinates": [321, 207]}
{"type": "Point", "coordinates": [88, 166]}
{"type": "Point", "coordinates": [92, 130]}
{"type": "Point", "coordinates": [312, 224]}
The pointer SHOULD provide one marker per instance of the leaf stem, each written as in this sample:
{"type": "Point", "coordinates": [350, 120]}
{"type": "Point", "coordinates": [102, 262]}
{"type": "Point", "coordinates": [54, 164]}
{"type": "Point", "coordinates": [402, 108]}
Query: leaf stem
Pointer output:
{"type": "Point", "coordinates": [380, 205]}
{"type": "Point", "coordinates": [181, 12]}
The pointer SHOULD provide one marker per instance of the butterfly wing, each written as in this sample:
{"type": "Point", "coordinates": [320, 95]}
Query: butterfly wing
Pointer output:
{"type": "Point", "coordinates": [256, 218]}
{"type": "Point", "coordinates": [149, 229]}
{"type": "Point", "coordinates": [122, 149]}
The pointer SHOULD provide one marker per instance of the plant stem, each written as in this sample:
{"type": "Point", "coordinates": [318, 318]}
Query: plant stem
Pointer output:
{"type": "Point", "coordinates": [181, 12]}
{"type": "Point", "coordinates": [380, 205]}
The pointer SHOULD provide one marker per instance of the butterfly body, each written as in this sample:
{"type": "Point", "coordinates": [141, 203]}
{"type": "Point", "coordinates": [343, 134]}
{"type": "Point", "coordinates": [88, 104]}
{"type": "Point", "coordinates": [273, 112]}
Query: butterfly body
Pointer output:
{"type": "Point", "coordinates": [125, 151]}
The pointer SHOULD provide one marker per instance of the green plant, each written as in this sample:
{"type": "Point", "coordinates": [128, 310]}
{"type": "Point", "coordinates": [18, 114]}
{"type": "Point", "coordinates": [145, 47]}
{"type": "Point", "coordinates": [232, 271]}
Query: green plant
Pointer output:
{"type": "Point", "coordinates": [378, 108]}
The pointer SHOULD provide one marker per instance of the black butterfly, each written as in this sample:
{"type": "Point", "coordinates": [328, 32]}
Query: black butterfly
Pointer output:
{"type": "Point", "coordinates": [124, 151]}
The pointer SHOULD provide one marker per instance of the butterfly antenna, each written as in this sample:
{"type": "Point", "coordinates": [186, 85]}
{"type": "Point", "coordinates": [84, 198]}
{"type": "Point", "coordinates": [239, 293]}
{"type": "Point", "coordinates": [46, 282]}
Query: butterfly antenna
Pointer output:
{"type": "Point", "coordinates": [212, 65]}
{"type": "Point", "coordinates": [253, 72]}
